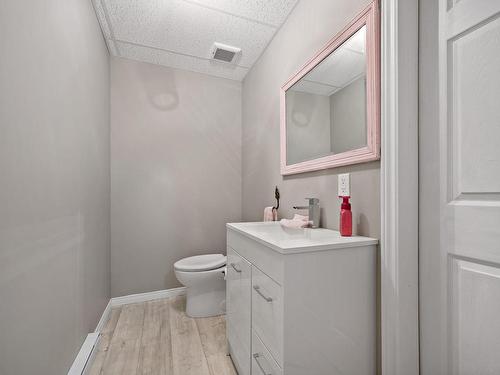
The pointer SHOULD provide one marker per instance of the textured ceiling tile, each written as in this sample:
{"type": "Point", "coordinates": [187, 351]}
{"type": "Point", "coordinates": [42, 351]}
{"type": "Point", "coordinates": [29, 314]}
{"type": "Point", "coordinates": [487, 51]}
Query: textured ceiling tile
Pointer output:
{"type": "Point", "coordinates": [101, 16]}
{"type": "Point", "coordinates": [181, 33]}
{"type": "Point", "coordinates": [173, 60]}
{"type": "Point", "coordinates": [182, 27]}
{"type": "Point", "coordinates": [313, 87]}
{"type": "Point", "coordinates": [273, 12]}
{"type": "Point", "coordinates": [338, 69]}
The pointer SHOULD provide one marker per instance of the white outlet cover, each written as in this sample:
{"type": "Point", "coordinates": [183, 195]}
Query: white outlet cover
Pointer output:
{"type": "Point", "coordinates": [344, 185]}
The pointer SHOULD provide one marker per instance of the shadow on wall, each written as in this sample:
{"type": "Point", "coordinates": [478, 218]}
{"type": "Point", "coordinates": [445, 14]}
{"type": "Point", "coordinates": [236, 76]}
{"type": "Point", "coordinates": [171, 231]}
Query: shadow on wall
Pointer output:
{"type": "Point", "coordinates": [160, 89]}
{"type": "Point", "coordinates": [353, 168]}
{"type": "Point", "coordinates": [362, 224]}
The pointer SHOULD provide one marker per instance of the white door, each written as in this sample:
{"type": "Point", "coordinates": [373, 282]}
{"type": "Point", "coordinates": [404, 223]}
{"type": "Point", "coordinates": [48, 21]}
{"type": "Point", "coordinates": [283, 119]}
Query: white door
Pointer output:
{"type": "Point", "coordinates": [460, 235]}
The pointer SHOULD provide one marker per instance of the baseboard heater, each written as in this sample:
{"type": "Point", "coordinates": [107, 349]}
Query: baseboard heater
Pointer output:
{"type": "Point", "coordinates": [84, 358]}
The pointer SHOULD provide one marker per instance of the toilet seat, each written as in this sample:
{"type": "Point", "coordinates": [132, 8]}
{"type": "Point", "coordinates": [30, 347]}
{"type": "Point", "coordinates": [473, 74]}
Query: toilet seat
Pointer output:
{"type": "Point", "coordinates": [200, 263]}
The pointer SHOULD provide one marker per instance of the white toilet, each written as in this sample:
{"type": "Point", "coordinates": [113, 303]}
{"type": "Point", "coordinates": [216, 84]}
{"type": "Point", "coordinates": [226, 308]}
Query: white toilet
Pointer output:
{"type": "Point", "coordinates": [203, 276]}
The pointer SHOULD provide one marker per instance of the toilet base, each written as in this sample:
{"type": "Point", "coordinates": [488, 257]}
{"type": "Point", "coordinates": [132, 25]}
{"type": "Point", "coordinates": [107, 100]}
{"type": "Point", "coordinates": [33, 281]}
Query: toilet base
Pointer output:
{"type": "Point", "coordinates": [202, 302]}
{"type": "Point", "coordinates": [206, 291]}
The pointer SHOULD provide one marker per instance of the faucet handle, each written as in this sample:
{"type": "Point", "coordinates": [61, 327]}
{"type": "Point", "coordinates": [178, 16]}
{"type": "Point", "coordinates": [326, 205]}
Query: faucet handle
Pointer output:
{"type": "Point", "coordinates": [313, 201]}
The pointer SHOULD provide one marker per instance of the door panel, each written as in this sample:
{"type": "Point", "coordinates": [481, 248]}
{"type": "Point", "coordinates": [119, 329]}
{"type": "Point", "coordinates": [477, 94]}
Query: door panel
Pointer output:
{"type": "Point", "coordinates": [460, 231]}
{"type": "Point", "coordinates": [474, 320]}
{"type": "Point", "coordinates": [475, 114]}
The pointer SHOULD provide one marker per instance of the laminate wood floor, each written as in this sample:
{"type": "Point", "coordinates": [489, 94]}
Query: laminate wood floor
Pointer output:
{"type": "Point", "coordinates": [157, 337]}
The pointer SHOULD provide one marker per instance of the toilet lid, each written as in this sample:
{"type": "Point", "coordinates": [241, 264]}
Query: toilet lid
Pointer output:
{"type": "Point", "coordinates": [201, 263]}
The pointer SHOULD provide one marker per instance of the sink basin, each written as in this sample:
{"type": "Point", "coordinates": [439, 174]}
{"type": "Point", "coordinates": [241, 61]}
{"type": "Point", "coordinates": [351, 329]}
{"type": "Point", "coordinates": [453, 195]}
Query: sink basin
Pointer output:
{"type": "Point", "coordinates": [291, 240]}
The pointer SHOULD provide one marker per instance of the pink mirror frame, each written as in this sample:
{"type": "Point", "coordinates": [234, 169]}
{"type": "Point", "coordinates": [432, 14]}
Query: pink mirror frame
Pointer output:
{"type": "Point", "coordinates": [369, 17]}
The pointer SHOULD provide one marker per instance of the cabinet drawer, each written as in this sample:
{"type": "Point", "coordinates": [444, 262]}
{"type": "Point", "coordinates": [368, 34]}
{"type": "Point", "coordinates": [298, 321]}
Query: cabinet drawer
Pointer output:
{"type": "Point", "coordinates": [238, 310]}
{"type": "Point", "coordinates": [269, 261]}
{"type": "Point", "coordinates": [262, 361]}
{"type": "Point", "coordinates": [267, 312]}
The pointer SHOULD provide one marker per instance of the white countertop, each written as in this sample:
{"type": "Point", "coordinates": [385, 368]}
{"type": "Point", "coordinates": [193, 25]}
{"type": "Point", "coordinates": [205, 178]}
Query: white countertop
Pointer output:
{"type": "Point", "coordinates": [289, 241]}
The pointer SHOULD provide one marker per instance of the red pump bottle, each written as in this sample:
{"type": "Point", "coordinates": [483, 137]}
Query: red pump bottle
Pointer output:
{"type": "Point", "coordinates": [345, 225]}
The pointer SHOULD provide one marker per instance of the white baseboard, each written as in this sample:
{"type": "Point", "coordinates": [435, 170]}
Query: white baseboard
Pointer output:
{"type": "Point", "coordinates": [86, 354]}
{"type": "Point", "coordinates": [149, 296]}
{"type": "Point", "coordinates": [104, 318]}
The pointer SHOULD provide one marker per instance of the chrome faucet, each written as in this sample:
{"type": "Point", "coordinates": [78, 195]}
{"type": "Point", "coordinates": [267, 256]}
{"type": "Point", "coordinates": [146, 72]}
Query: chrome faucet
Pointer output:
{"type": "Point", "coordinates": [313, 211]}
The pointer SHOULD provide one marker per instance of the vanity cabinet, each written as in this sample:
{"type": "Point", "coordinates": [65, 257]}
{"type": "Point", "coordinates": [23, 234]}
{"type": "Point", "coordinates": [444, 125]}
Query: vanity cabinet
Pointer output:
{"type": "Point", "coordinates": [300, 301]}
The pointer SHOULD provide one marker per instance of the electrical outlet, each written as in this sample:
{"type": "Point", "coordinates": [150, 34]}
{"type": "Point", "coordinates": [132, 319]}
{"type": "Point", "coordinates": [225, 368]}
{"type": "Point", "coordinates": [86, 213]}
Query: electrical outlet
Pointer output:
{"type": "Point", "coordinates": [344, 185]}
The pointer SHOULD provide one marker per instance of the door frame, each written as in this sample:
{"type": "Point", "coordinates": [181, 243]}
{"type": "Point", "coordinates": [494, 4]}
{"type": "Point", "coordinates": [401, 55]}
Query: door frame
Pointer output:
{"type": "Point", "coordinates": [399, 188]}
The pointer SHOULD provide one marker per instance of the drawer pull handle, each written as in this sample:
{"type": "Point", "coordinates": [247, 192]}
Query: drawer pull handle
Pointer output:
{"type": "Point", "coordinates": [235, 268]}
{"type": "Point", "coordinates": [256, 357]}
{"type": "Point", "coordinates": [257, 289]}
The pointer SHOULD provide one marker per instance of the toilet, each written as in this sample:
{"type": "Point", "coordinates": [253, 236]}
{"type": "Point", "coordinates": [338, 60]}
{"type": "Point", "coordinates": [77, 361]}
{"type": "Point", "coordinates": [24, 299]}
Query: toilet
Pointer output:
{"type": "Point", "coordinates": [203, 276]}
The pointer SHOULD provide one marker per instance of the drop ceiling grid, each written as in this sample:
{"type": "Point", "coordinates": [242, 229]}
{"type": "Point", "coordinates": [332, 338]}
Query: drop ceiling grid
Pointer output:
{"type": "Point", "coordinates": [180, 33]}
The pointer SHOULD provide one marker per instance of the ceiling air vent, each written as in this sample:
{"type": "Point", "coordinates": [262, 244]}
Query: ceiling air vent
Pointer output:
{"type": "Point", "coordinates": [223, 52]}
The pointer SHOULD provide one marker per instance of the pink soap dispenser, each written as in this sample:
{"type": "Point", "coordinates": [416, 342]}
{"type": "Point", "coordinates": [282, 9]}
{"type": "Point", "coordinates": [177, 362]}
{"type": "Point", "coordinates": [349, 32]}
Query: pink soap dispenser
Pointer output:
{"type": "Point", "coordinates": [345, 225]}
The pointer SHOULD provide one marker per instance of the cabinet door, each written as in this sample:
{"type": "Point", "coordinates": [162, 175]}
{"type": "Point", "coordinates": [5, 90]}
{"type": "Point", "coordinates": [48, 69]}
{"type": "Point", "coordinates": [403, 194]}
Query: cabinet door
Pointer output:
{"type": "Point", "coordinates": [238, 305]}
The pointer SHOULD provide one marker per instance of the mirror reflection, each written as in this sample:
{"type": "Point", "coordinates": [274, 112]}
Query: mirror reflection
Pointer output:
{"type": "Point", "coordinates": [326, 109]}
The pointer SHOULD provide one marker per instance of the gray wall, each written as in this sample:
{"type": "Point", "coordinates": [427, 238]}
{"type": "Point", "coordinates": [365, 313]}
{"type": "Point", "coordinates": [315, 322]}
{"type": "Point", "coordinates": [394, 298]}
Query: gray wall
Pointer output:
{"type": "Point", "coordinates": [308, 126]}
{"type": "Point", "coordinates": [348, 117]}
{"type": "Point", "coordinates": [311, 24]}
{"type": "Point", "coordinates": [175, 170]}
{"type": "Point", "coordinates": [54, 173]}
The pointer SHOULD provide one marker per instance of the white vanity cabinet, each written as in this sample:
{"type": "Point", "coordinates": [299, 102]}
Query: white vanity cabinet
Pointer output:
{"type": "Point", "coordinates": [300, 301]}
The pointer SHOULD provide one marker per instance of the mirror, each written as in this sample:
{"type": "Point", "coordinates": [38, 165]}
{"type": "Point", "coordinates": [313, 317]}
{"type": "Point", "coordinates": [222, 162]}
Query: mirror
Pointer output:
{"type": "Point", "coordinates": [326, 109]}
{"type": "Point", "coordinates": [330, 108]}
